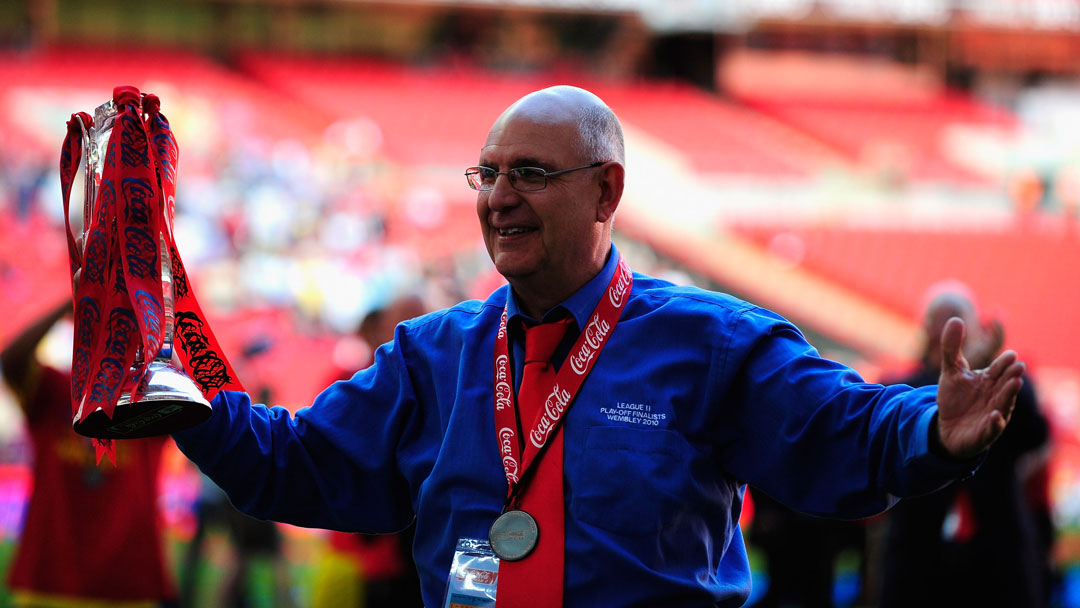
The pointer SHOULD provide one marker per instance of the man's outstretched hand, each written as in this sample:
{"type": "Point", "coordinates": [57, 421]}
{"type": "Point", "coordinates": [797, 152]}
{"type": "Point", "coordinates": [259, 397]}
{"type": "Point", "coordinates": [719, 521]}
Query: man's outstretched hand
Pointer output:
{"type": "Point", "coordinates": [973, 405]}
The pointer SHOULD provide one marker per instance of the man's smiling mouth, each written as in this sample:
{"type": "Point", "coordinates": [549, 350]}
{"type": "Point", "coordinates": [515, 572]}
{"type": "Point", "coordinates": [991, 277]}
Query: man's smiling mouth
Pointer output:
{"type": "Point", "coordinates": [513, 231]}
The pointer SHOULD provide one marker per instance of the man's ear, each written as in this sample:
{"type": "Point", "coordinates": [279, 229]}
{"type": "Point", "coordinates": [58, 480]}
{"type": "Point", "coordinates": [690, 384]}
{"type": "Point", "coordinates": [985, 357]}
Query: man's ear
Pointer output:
{"type": "Point", "coordinates": [612, 179]}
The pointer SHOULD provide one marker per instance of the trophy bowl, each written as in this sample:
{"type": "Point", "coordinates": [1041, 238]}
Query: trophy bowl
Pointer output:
{"type": "Point", "coordinates": [167, 401]}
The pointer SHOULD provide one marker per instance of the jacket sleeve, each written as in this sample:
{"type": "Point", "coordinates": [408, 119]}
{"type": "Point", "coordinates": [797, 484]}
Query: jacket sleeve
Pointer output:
{"type": "Point", "coordinates": [812, 434]}
{"type": "Point", "coordinates": [332, 465]}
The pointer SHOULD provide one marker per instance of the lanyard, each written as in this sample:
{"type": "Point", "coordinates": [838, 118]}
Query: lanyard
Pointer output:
{"type": "Point", "coordinates": [517, 463]}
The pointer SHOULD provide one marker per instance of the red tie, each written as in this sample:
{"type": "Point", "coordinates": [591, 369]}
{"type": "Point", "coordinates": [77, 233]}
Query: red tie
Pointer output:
{"type": "Point", "coordinates": [537, 580]}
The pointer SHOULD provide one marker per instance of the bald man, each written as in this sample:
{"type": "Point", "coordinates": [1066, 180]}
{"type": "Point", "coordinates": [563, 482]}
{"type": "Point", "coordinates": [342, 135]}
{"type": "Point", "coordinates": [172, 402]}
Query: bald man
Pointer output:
{"type": "Point", "coordinates": [583, 436]}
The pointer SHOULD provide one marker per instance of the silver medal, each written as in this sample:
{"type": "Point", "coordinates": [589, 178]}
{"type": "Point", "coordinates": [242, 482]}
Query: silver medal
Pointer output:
{"type": "Point", "coordinates": [513, 536]}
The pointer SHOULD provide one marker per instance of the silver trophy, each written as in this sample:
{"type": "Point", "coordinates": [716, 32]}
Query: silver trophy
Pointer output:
{"type": "Point", "coordinates": [166, 399]}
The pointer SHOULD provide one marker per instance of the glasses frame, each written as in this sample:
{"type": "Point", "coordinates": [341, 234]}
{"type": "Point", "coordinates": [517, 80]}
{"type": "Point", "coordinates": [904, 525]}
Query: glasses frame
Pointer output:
{"type": "Point", "coordinates": [512, 175]}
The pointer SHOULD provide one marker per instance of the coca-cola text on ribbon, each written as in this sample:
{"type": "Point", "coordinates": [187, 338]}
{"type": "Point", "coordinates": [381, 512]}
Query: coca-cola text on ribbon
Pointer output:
{"type": "Point", "coordinates": [554, 407]}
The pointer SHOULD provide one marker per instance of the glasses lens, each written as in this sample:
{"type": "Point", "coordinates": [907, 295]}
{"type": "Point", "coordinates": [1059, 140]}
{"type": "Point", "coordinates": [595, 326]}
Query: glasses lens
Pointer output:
{"type": "Point", "coordinates": [529, 178]}
{"type": "Point", "coordinates": [481, 178]}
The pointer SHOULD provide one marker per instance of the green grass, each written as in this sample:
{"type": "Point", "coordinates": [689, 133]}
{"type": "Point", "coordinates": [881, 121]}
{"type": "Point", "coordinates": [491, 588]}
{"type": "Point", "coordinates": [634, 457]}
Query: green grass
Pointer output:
{"type": "Point", "coordinates": [300, 553]}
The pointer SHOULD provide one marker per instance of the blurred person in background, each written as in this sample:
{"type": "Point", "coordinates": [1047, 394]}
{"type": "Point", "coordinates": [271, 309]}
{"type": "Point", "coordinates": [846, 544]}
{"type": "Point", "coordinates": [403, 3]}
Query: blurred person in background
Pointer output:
{"type": "Point", "coordinates": [369, 570]}
{"type": "Point", "coordinates": [254, 542]}
{"type": "Point", "coordinates": [974, 543]}
{"type": "Point", "coordinates": [694, 395]}
{"type": "Point", "coordinates": [92, 534]}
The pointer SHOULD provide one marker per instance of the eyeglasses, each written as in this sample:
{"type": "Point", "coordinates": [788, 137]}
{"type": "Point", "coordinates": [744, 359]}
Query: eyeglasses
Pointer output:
{"type": "Point", "coordinates": [522, 179]}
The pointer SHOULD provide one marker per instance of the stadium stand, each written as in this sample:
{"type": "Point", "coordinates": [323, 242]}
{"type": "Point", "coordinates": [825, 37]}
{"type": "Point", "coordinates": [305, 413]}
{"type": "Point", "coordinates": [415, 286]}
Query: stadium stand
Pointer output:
{"type": "Point", "coordinates": [916, 129]}
{"type": "Point", "coordinates": [718, 136]}
{"type": "Point", "coordinates": [896, 267]}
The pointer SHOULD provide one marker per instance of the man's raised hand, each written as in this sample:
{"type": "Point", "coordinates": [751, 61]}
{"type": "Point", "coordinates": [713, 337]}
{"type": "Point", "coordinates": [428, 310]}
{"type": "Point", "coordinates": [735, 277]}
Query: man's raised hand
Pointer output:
{"type": "Point", "coordinates": [973, 405]}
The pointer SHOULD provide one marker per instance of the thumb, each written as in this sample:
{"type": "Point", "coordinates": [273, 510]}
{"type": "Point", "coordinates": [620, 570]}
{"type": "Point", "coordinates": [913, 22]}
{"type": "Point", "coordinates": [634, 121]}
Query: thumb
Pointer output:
{"type": "Point", "coordinates": [952, 341]}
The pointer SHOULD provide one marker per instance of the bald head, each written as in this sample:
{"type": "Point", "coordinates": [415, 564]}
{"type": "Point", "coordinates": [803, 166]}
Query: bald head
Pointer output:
{"type": "Point", "coordinates": [600, 136]}
{"type": "Point", "coordinates": [943, 307]}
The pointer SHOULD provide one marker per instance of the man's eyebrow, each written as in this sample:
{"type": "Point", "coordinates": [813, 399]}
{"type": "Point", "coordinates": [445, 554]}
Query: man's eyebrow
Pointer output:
{"type": "Point", "coordinates": [527, 161]}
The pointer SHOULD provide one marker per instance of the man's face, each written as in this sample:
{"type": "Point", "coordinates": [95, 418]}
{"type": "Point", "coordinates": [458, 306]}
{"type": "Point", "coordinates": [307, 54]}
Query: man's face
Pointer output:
{"type": "Point", "coordinates": [545, 237]}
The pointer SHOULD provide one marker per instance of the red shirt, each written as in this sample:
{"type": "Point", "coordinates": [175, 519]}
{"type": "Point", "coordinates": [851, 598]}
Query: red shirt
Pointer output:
{"type": "Point", "coordinates": [91, 532]}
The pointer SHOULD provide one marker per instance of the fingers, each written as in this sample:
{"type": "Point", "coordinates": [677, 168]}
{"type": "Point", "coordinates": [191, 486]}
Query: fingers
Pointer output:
{"type": "Point", "coordinates": [990, 427]}
{"type": "Point", "coordinates": [996, 422]}
{"type": "Point", "coordinates": [952, 340]}
{"type": "Point", "coordinates": [987, 429]}
{"type": "Point", "coordinates": [1006, 388]}
{"type": "Point", "coordinates": [1003, 362]}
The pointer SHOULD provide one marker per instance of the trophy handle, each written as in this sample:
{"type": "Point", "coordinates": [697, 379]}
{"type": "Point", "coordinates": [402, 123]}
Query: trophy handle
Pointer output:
{"type": "Point", "coordinates": [89, 187]}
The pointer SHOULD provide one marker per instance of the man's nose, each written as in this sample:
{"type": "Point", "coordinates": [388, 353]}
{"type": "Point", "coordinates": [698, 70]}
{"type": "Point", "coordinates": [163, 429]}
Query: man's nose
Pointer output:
{"type": "Point", "coordinates": [502, 193]}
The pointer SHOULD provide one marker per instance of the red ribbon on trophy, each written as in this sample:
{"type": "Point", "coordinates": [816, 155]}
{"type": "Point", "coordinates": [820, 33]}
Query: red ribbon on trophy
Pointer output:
{"type": "Point", "coordinates": [120, 312]}
{"type": "Point", "coordinates": [199, 350]}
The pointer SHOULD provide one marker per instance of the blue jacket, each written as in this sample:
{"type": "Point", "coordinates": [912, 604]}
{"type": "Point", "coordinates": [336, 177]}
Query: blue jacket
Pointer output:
{"type": "Point", "coordinates": [696, 394]}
